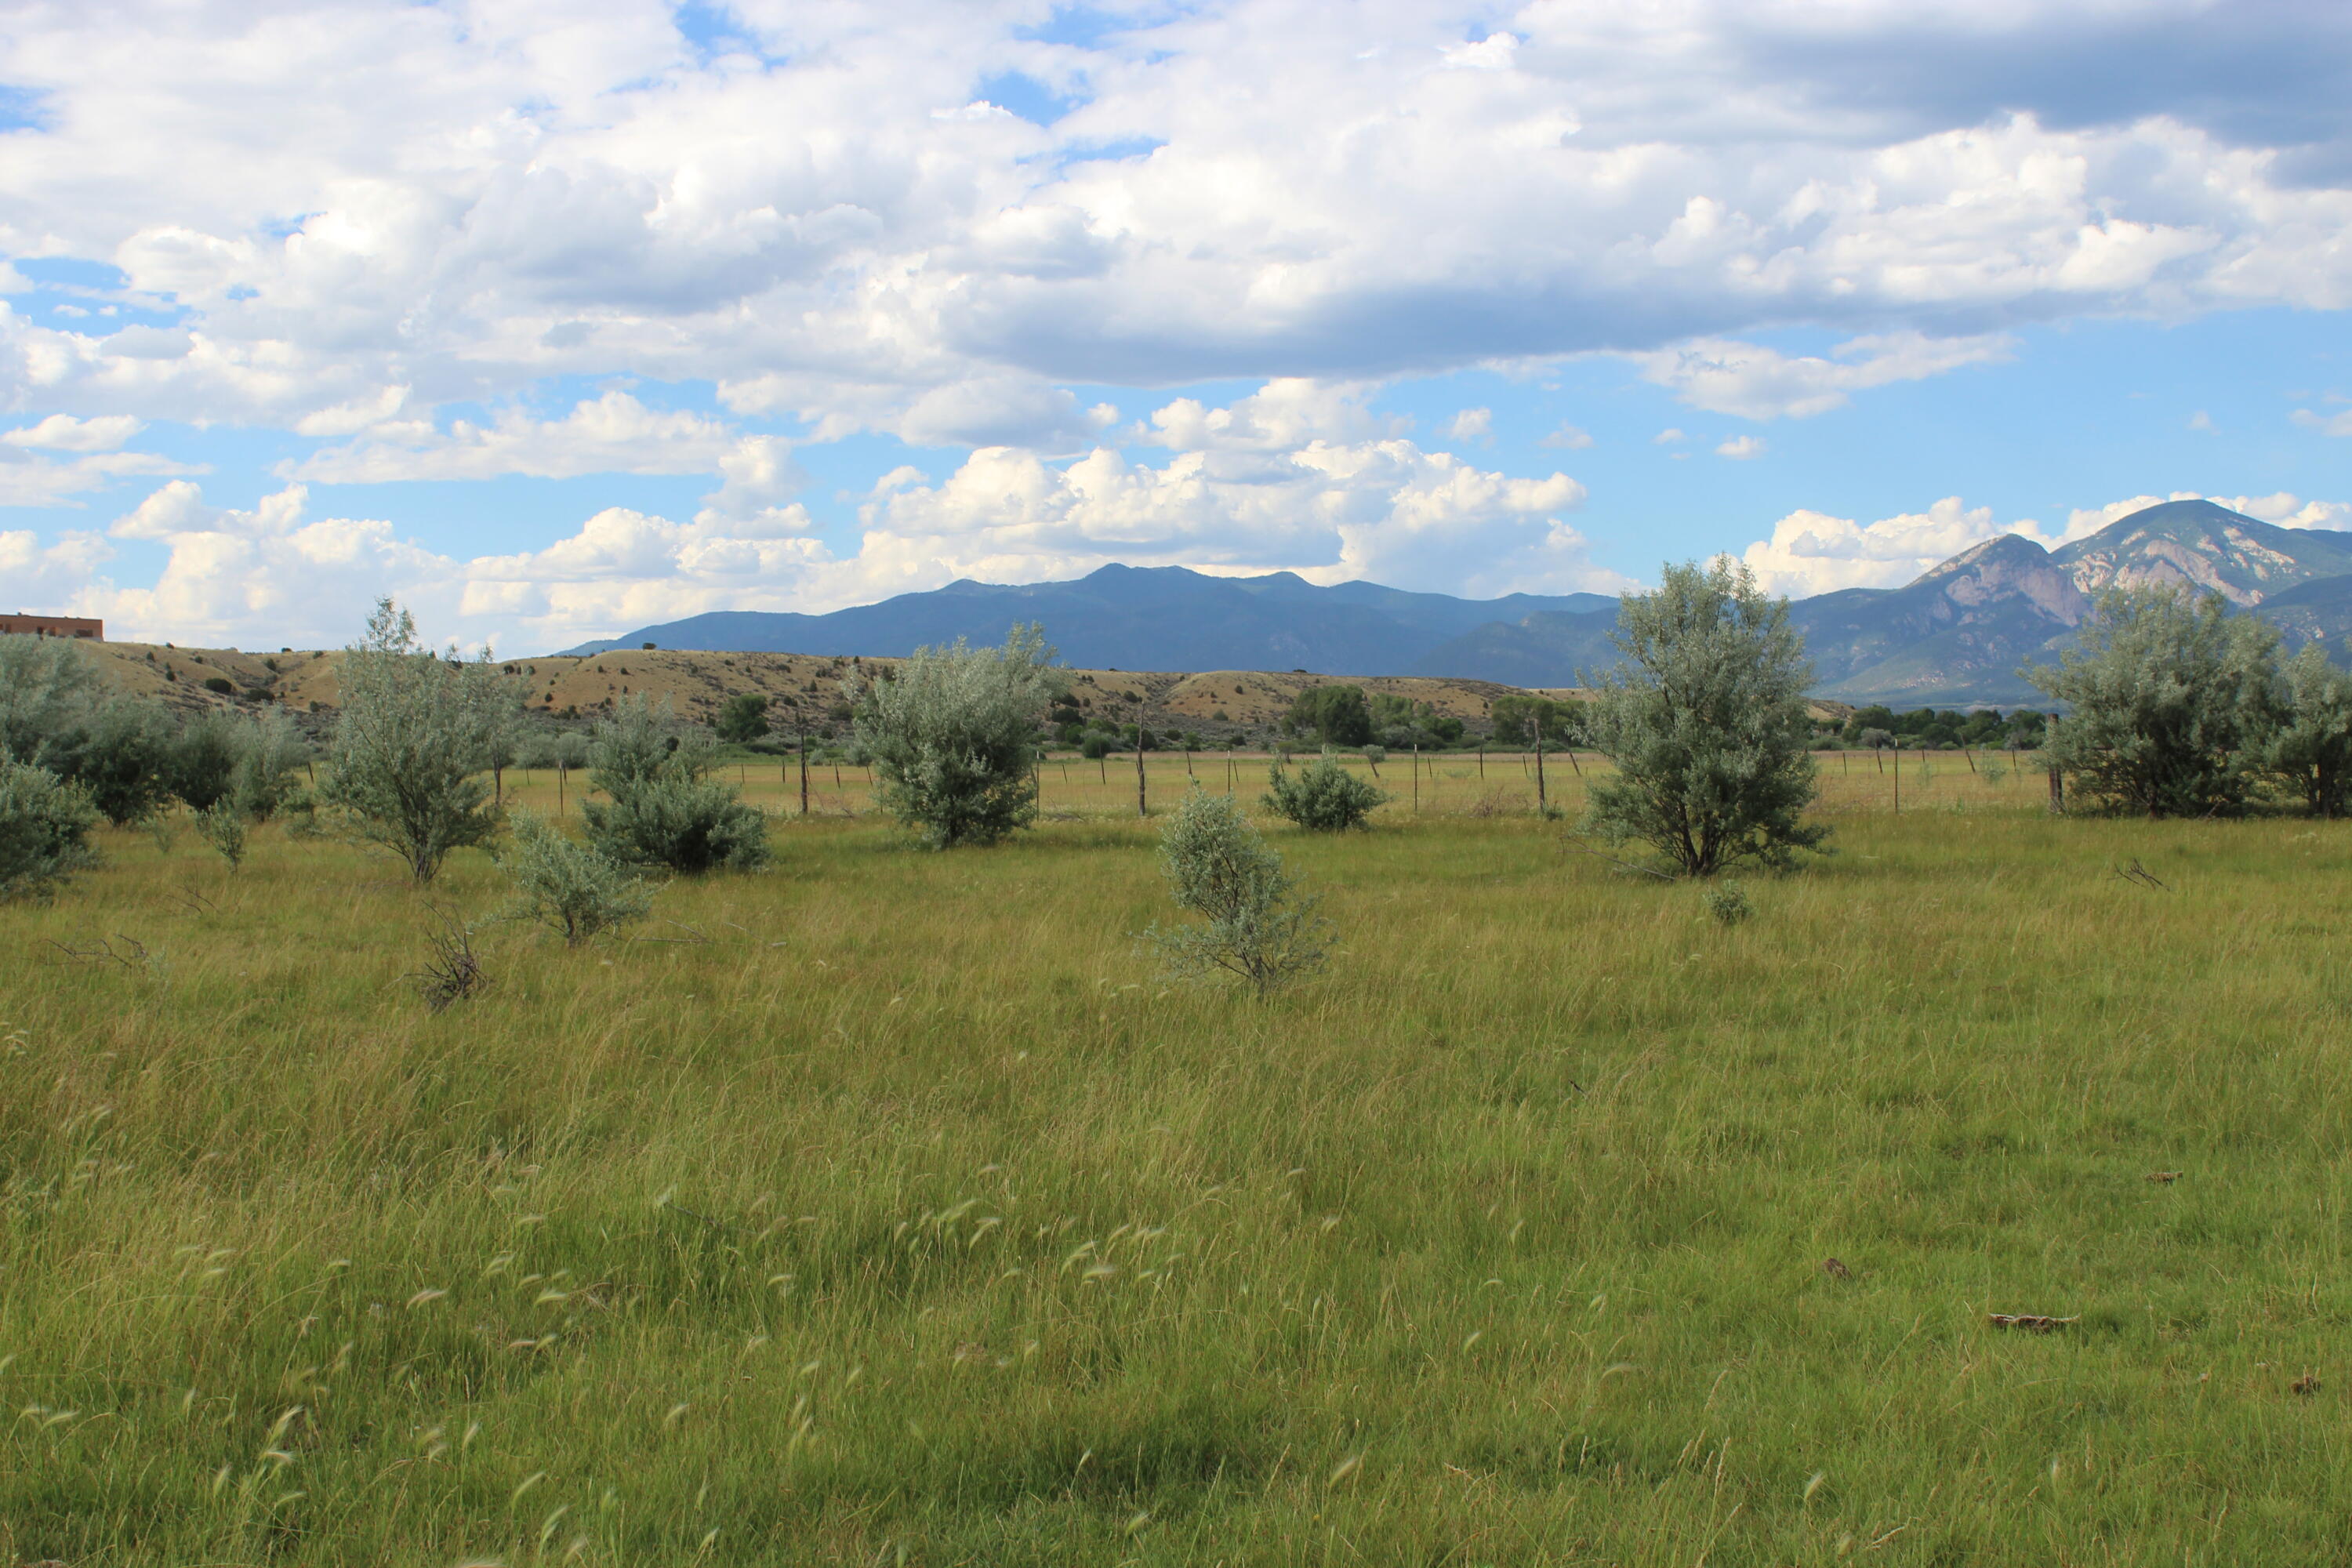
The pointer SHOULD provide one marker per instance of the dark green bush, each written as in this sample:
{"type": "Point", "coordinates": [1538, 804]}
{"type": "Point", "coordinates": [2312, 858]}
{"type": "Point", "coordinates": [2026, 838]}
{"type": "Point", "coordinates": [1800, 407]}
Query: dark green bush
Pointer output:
{"type": "Point", "coordinates": [44, 826]}
{"type": "Point", "coordinates": [1322, 797]}
{"type": "Point", "coordinates": [662, 808]}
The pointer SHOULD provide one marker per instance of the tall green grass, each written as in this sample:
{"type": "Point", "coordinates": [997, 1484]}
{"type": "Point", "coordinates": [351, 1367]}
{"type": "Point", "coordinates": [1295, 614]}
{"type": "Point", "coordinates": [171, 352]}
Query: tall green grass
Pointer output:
{"type": "Point", "coordinates": [886, 1208]}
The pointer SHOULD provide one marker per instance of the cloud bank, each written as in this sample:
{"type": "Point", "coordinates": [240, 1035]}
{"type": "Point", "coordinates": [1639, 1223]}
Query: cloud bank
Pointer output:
{"type": "Point", "coordinates": [823, 213]}
{"type": "Point", "coordinates": [1297, 476]}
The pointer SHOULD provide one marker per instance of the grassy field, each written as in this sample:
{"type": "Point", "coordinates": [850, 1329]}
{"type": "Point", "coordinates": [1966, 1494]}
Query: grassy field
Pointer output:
{"type": "Point", "coordinates": [885, 1209]}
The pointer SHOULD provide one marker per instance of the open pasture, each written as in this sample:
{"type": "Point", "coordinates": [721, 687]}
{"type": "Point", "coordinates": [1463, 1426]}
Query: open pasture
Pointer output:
{"type": "Point", "coordinates": [885, 1209]}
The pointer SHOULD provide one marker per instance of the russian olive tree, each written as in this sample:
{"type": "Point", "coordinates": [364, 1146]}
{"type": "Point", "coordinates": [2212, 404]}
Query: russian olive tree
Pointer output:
{"type": "Point", "coordinates": [2310, 752]}
{"type": "Point", "coordinates": [2171, 701]}
{"type": "Point", "coordinates": [953, 737]}
{"type": "Point", "coordinates": [415, 732]}
{"type": "Point", "coordinates": [570, 887]}
{"type": "Point", "coordinates": [1705, 716]}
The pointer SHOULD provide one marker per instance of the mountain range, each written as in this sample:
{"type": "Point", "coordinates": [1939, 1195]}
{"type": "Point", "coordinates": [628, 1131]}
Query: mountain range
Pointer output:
{"type": "Point", "coordinates": [1954, 637]}
{"type": "Point", "coordinates": [1142, 618]}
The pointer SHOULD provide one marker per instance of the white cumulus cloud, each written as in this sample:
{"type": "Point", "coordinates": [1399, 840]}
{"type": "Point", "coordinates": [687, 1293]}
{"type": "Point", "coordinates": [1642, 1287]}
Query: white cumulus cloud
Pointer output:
{"type": "Point", "coordinates": [1382, 509]}
{"type": "Point", "coordinates": [63, 433]}
{"type": "Point", "coordinates": [614, 433]}
{"type": "Point", "coordinates": [274, 574]}
{"type": "Point", "coordinates": [1471, 425]}
{"type": "Point", "coordinates": [1724, 376]}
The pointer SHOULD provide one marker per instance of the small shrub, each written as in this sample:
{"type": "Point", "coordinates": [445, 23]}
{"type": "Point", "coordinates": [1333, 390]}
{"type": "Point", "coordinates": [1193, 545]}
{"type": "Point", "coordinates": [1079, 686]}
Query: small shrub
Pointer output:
{"type": "Point", "coordinates": [567, 887]}
{"type": "Point", "coordinates": [162, 829]}
{"type": "Point", "coordinates": [683, 825]}
{"type": "Point", "coordinates": [1495, 802]}
{"type": "Point", "coordinates": [1727, 902]}
{"type": "Point", "coordinates": [201, 767]}
{"type": "Point", "coordinates": [299, 813]}
{"type": "Point", "coordinates": [1323, 796]}
{"type": "Point", "coordinates": [268, 759]}
{"type": "Point", "coordinates": [743, 718]}
{"type": "Point", "coordinates": [1258, 932]}
{"type": "Point", "coordinates": [663, 810]}
{"type": "Point", "coordinates": [44, 826]}
{"type": "Point", "coordinates": [1992, 771]}
{"type": "Point", "coordinates": [222, 825]}
{"type": "Point", "coordinates": [218, 683]}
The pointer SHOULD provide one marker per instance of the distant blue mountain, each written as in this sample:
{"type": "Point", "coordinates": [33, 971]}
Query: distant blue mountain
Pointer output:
{"type": "Point", "coordinates": [1133, 617]}
{"type": "Point", "coordinates": [1955, 636]}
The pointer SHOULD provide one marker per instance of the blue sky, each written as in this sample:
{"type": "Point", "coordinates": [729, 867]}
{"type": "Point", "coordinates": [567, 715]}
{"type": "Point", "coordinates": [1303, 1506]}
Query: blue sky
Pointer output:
{"type": "Point", "coordinates": [555, 319]}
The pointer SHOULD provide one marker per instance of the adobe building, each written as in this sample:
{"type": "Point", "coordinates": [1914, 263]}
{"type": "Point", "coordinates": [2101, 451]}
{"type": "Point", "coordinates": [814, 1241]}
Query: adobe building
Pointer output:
{"type": "Point", "coordinates": [52, 627]}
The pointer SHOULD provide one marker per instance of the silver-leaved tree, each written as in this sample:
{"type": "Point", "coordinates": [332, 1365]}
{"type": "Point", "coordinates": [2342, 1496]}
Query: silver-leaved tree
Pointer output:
{"type": "Point", "coordinates": [1706, 721]}
{"type": "Point", "coordinates": [954, 732]}
{"type": "Point", "coordinates": [415, 732]}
